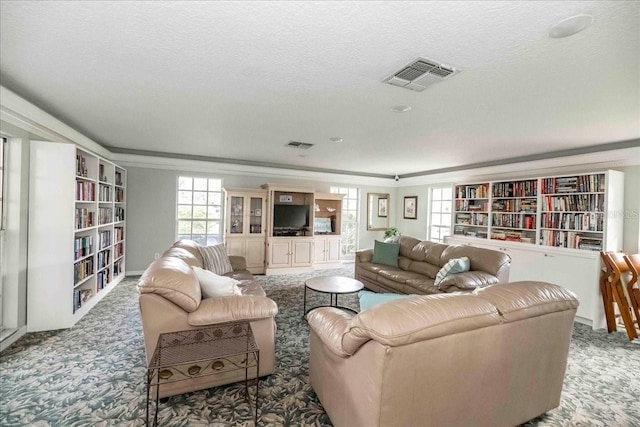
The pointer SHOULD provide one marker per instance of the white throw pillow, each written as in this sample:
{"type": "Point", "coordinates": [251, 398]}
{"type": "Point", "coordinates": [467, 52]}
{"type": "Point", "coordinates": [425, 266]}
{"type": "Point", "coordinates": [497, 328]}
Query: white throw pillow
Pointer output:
{"type": "Point", "coordinates": [213, 285]}
{"type": "Point", "coordinates": [453, 266]}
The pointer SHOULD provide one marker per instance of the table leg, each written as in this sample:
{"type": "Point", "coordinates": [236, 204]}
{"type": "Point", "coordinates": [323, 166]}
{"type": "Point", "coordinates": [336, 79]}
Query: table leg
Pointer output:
{"type": "Point", "coordinates": [155, 417]}
{"type": "Point", "coordinates": [255, 418]}
{"type": "Point", "coordinates": [148, 392]}
{"type": "Point", "coordinates": [304, 304]}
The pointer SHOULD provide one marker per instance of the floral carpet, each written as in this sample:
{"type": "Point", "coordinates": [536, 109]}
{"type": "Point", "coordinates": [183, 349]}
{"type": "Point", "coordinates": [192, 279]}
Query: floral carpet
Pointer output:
{"type": "Point", "coordinates": [94, 373]}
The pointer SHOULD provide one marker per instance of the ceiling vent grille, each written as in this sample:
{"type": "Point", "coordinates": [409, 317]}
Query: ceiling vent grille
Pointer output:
{"type": "Point", "coordinates": [419, 74]}
{"type": "Point", "coordinates": [299, 145]}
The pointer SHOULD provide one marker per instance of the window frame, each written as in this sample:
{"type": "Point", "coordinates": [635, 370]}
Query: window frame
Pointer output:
{"type": "Point", "coordinates": [211, 208]}
{"type": "Point", "coordinates": [446, 209]}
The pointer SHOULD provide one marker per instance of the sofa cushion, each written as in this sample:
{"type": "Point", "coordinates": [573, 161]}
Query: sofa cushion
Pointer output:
{"type": "Point", "coordinates": [192, 247]}
{"type": "Point", "coordinates": [399, 275]}
{"type": "Point", "coordinates": [422, 286]}
{"type": "Point", "coordinates": [215, 259]}
{"type": "Point", "coordinates": [173, 279]}
{"type": "Point", "coordinates": [453, 266]}
{"type": "Point", "coordinates": [385, 253]}
{"type": "Point", "coordinates": [468, 280]}
{"type": "Point", "coordinates": [233, 308]}
{"type": "Point", "coordinates": [369, 299]}
{"type": "Point", "coordinates": [184, 254]}
{"type": "Point", "coordinates": [212, 285]}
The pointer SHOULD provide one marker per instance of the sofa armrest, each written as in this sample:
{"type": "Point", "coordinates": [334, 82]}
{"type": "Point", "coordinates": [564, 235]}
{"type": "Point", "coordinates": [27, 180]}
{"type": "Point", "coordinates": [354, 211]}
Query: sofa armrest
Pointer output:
{"type": "Point", "coordinates": [330, 325]}
{"type": "Point", "coordinates": [365, 255]}
{"type": "Point", "coordinates": [467, 281]}
{"type": "Point", "coordinates": [238, 262]}
{"type": "Point", "coordinates": [232, 308]}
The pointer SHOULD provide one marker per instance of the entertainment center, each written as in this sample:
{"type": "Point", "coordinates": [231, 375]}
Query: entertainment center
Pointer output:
{"type": "Point", "coordinates": [284, 229]}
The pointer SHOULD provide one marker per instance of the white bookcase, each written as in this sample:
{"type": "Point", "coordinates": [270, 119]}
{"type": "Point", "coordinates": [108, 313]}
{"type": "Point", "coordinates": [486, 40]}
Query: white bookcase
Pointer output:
{"type": "Point", "coordinates": [76, 233]}
{"type": "Point", "coordinates": [576, 216]}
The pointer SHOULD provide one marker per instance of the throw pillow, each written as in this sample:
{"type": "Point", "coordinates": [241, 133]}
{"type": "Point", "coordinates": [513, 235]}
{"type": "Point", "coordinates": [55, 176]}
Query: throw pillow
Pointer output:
{"type": "Point", "coordinates": [215, 259]}
{"type": "Point", "coordinates": [369, 299]}
{"type": "Point", "coordinates": [385, 253]}
{"type": "Point", "coordinates": [212, 285]}
{"type": "Point", "coordinates": [453, 266]}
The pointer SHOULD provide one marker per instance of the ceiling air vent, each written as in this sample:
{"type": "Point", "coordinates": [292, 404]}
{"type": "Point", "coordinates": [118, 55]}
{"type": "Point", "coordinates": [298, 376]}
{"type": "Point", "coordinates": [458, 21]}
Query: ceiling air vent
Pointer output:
{"type": "Point", "coordinates": [299, 145]}
{"type": "Point", "coordinates": [419, 74]}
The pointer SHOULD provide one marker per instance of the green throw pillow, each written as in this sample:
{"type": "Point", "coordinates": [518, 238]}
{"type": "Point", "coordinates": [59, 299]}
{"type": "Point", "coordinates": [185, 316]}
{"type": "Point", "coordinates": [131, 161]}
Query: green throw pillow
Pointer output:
{"type": "Point", "coordinates": [385, 253]}
{"type": "Point", "coordinates": [369, 299]}
{"type": "Point", "coordinates": [453, 266]}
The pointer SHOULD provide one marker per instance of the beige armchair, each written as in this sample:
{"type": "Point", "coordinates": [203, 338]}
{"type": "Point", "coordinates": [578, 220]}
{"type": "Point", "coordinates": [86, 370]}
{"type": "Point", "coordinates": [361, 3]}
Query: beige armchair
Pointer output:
{"type": "Point", "coordinates": [495, 357]}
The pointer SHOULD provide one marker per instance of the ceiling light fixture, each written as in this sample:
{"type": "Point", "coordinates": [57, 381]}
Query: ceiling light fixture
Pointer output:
{"type": "Point", "coordinates": [570, 26]}
{"type": "Point", "coordinates": [336, 139]}
{"type": "Point", "coordinates": [400, 108]}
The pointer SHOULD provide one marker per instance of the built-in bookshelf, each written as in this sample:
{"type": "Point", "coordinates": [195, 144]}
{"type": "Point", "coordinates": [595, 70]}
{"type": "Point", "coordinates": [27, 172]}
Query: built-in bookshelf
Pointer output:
{"type": "Point", "coordinates": [514, 207]}
{"type": "Point", "coordinates": [76, 233]}
{"type": "Point", "coordinates": [579, 211]}
{"type": "Point", "coordinates": [471, 210]}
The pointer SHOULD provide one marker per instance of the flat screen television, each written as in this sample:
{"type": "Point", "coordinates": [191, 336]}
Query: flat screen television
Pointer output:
{"type": "Point", "coordinates": [290, 216]}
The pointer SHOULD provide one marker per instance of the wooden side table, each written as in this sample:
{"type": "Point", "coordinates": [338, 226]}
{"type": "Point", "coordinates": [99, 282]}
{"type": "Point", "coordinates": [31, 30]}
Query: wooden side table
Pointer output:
{"type": "Point", "coordinates": [201, 352]}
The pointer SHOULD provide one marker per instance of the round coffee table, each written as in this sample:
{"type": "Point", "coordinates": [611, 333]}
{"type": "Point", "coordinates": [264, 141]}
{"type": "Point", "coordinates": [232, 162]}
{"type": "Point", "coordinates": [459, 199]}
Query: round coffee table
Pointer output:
{"type": "Point", "coordinates": [332, 285]}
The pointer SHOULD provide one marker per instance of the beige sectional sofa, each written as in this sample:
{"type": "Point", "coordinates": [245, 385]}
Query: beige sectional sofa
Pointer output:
{"type": "Point", "coordinates": [170, 300]}
{"type": "Point", "coordinates": [493, 357]}
{"type": "Point", "coordinates": [419, 263]}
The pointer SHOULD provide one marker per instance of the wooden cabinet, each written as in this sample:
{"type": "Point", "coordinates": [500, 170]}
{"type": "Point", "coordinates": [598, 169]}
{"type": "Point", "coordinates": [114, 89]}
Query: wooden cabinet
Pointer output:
{"type": "Point", "coordinates": [76, 249]}
{"type": "Point", "coordinates": [288, 253]}
{"type": "Point", "coordinates": [578, 271]}
{"type": "Point", "coordinates": [245, 226]}
{"type": "Point", "coordinates": [327, 250]}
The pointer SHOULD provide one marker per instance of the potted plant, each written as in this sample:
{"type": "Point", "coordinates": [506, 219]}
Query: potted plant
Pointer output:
{"type": "Point", "coordinates": [391, 232]}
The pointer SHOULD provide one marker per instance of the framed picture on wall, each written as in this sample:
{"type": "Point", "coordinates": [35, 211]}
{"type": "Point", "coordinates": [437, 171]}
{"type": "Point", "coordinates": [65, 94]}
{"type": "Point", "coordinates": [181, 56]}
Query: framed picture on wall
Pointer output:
{"type": "Point", "coordinates": [411, 207]}
{"type": "Point", "coordinates": [382, 208]}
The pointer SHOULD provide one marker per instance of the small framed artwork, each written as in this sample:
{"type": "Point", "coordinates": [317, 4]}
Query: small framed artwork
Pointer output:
{"type": "Point", "coordinates": [411, 207]}
{"type": "Point", "coordinates": [258, 212]}
{"type": "Point", "coordinates": [382, 208]}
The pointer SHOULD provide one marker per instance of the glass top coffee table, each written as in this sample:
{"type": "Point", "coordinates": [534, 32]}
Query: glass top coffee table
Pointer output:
{"type": "Point", "coordinates": [334, 286]}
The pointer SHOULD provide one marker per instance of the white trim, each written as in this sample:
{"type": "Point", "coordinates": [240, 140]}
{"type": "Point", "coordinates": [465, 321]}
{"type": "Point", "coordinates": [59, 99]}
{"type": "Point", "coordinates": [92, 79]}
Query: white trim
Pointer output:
{"type": "Point", "coordinates": [13, 336]}
{"type": "Point", "coordinates": [186, 165]}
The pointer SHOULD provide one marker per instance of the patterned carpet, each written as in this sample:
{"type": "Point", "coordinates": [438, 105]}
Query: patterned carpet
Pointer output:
{"type": "Point", "coordinates": [93, 374]}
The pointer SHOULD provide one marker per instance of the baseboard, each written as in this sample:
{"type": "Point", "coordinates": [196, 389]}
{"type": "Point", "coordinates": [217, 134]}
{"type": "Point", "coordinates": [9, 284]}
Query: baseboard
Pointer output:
{"type": "Point", "coordinates": [12, 337]}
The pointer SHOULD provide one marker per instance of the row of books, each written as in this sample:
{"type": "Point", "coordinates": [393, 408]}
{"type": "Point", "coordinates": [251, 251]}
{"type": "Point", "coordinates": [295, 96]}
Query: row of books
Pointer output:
{"type": "Point", "coordinates": [588, 221]}
{"type": "Point", "coordinates": [118, 267]}
{"type": "Point", "coordinates": [480, 191]}
{"type": "Point", "coordinates": [103, 278]}
{"type": "Point", "coordinates": [119, 214]}
{"type": "Point", "coordinates": [512, 236]}
{"type": "Point", "coordinates": [513, 221]}
{"type": "Point", "coordinates": [104, 239]}
{"type": "Point", "coordinates": [119, 234]}
{"type": "Point", "coordinates": [472, 218]}
{"type": "Point", "coordinates": [81, 166]}
{"type": "Point", "coordinates": [118, 250]}
{"type": "Point", "coordinates": [84, 218]}
{"type": "Point", "coordinates": [575, 202]}
{"type": "Point", "coordinates": [104, 258]}
{"type": "Point", "coordinates": [574, 184]}
{"type": "Point", "coordinates": [515, 205]}
{"type": "Point", "coordinates": [104, 193]}
{"type": "Point", "coordinates": [515, 189]}
{"type": "Point", "coordinates": [82, 246]}
{"type": "Point", "coordinates": [105, 215]}
{"type": "Point", "coordinates": [570, 239]}
{"type": "Point", "coordinates": [475, 205]}
{"type": "Point", "coordinates": [119, 195]}
{"type": "Point", "coordinates": [80, 297]}
{"type": "Point", "coordinates": [85, 191]}
{"type": "Point", "coordinates": [82, 269]}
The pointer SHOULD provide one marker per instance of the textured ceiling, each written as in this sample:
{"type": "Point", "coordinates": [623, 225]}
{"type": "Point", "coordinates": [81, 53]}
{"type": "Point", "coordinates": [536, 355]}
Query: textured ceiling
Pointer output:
{"type": "Point", "coordinates": [238, 80]}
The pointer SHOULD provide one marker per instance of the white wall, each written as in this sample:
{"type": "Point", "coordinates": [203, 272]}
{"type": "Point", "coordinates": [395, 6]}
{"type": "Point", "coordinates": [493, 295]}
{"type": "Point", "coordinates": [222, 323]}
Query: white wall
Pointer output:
{"type": "Point", "coordinates": [151, 204]}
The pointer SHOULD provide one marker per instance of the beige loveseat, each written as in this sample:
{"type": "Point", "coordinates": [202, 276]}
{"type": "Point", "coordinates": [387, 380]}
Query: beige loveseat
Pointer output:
{"type": "Point", "coordinates": [419, 263]}
{"type": "Point", "coordinates": [493, 357]}
{"type": "Point", "coordinates": [170, 300]}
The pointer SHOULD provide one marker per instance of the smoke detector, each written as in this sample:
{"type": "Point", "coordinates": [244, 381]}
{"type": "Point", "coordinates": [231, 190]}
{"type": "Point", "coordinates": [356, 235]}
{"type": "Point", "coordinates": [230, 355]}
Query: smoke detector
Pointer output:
{"type": "Point", "coordinates": [299, 145]}
{"type": "Point", "coordinates": [420, 73]}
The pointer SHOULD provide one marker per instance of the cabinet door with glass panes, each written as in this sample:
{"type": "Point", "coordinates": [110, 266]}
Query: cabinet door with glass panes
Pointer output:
{"type": "Point", "coordinates": [245, 213]}
{"type": "Point", "coordinates": [514, 206]}
{"type": "Point", "coordinates": [471, 210]}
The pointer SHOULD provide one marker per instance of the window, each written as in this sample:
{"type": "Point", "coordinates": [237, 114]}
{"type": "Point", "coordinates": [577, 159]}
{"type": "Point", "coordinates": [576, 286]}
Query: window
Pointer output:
{"type": "Point", "coordinates": [349, 220]}
{"type": "Point", "coordinates": [199, 213]}
{"type": "Point", "coordinates": [439, 213]}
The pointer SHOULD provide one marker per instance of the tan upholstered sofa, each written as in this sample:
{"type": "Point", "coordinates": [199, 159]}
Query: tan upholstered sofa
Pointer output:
{"type": "Point", "coordinates": [419, 263]}
{"type": "Point", "coordinates": [170, 300]}
{"type": "Point", "coordinates": [493, 357]}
